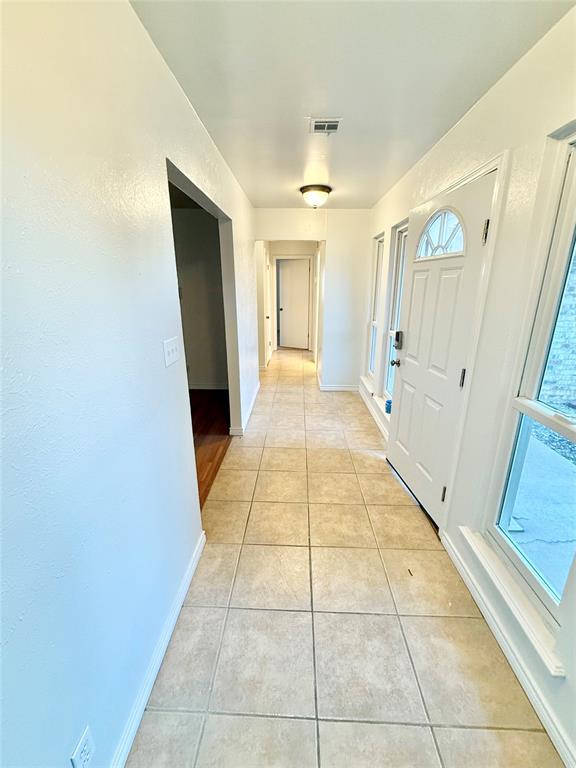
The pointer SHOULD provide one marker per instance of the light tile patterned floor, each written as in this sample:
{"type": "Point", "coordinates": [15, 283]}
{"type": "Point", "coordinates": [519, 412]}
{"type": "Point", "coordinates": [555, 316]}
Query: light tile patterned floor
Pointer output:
{"type": "Point", "coordinates": [325, 624]}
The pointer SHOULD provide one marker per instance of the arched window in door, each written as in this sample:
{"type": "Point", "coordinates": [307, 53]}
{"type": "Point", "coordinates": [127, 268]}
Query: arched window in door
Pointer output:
{"type": "Point", "coordinates": [442, 236]}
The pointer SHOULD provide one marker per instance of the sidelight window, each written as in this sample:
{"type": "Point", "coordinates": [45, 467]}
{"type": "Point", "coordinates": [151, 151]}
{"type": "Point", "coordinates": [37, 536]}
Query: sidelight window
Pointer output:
{"type": "Point", "coordinates": [373, 327]}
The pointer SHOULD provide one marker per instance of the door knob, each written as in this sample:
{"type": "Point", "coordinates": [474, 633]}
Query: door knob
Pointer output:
{"type": "Point", "coordinates": [395, 362]}
{"type": "Point", "coordinates": [281, 309]}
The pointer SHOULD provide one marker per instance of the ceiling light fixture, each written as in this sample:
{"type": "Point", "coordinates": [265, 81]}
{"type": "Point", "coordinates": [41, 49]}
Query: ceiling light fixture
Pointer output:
{"type": "Point", "coordinates": [315, 195]}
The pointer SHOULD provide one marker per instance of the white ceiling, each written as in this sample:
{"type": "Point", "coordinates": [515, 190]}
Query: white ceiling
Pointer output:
{"type": "Point", "coordinates": [399, 74]}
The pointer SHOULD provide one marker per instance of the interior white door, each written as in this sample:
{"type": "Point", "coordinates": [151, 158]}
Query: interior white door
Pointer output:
{"type": "Point", "coordinates": [443, 270]}
{"type": "Point", "coordinates": [293, 302]}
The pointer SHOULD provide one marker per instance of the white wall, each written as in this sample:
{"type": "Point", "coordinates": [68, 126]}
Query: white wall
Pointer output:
{"type": "Point", "coordinates": [536, 97]}
{"type": "Point", "coordinates": [197, 247]}
{"type": "Point", "coordinates": [100, 505]}
{"type": "Point", "coordinates": [290, 223]}
{"type": "Point", "coordinates": [261, 287]}
{"type": "Point", "coordinates": [346, 269]}
{"type": "Point", "coordinates": [346, 275]}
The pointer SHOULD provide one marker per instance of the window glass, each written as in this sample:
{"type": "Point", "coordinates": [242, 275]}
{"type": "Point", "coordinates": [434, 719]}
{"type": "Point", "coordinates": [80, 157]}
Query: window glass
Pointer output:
{"type": "Point", "coordinates": [395, 308]}
{"type": "Point", "coordinates": [442, 235]}
{"type": "Point", "coordinates": [558, 388]}
{"type": "Point", "coordinates": [372, 362]}
{"type": "Point", "coordinates": [539, 511]}
{"type": "Point", "coordinates": [377, 277]}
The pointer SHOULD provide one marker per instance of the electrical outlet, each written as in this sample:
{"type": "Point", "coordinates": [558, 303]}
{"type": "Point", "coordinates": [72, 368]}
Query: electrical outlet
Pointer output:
{"type": "Point", "coordinates": [171, 351]}
{"type": "Point", "coordinates": [84, 752]}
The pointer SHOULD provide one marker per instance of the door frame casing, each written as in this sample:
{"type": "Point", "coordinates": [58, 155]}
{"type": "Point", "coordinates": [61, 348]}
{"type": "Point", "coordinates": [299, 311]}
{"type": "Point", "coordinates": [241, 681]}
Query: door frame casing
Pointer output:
{"type": "Point", "coordinates": [393, 282]}
{"type": "Point", "coordinates": [225, 231]}
{"type": "Point", "coordinates": [500, 165]}
{"type": "Point", "coordinates": [313, 295]}
{"type": "Point", "coordinates": [309, 323]}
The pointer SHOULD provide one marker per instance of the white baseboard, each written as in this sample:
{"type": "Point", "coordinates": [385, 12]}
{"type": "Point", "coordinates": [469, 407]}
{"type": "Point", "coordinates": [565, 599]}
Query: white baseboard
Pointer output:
{"type": "Point", "coordinates": [131, 727]}
{"type": "Point", "coordinates": [336, 387]}
{"type": "Point", "coordinates": [236, 431]}
{"type": "Point", "coordinates": [375, 410]}
{"type": "Point", "coordinates": [558, 736]}
{"type": "Point", "coordinates": [339, 387]}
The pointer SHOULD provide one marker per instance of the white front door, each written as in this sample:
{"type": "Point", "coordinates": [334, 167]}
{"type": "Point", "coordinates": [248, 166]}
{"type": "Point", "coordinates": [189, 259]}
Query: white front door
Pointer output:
{"type": "Point", "coordinates": [293, 302]}
{"type": "Point", "coordinates": [445, 257]}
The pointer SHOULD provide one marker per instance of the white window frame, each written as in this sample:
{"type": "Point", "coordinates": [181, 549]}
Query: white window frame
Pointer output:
{"type": "Point", "coordinates": [525, 401]}
{"type": "Point", "coordinates": [375, 291]}
{"type": "Point", "coordinates": [397, 263]}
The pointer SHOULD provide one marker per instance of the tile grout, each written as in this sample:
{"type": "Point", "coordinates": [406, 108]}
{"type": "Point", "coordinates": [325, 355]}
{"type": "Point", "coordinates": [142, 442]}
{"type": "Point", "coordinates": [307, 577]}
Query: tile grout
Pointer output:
{"type": "Point", "coordinates": [307, 718]}
{"type": "Point", "coordinates": [269, 404]}
{"type": "Point", "coordinates": [222, 633]}
{"type": "Point", "coordinates": [406, 646]}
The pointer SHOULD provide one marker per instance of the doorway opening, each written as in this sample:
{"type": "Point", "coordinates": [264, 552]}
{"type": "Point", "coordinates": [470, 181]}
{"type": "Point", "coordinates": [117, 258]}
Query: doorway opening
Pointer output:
{"type": "Point", "coordinates": [293, 303]}
{"type": "Point", "coordinates": [289, 296]}
{"type": "Point", "coordinates": [200, 251]}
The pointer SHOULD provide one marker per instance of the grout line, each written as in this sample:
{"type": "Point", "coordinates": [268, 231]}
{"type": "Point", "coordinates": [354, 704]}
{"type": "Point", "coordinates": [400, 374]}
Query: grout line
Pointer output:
{"type": "Point", "coordinates": [224, 625]}
{"type": "Point", "coordinates": [318, 758]}
{"type": "Point", "coordinates": [229, 607]}
{"type": "Point", "coordinates": [440, 758]}
{"type": "Point", "coordinates": [335, 612]}
{"type": "Point", "coordinates": [200, 737]}
{"type": "Point", "coordinates": [402, 723]}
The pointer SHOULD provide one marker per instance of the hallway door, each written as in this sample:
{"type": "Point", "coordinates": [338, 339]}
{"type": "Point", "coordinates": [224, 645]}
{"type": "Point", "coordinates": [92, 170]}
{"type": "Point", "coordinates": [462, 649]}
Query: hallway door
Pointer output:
{"type": "Point", "coordinates": [293, 302]}
{"type": "Point", "coordinates": [445, 256]}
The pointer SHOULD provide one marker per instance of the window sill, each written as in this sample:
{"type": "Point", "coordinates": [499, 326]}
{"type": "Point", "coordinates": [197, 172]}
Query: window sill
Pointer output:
{"type": "Point", "coordinates": [375, 404]}
{"type": "Point", "coordinates": [534, 628]}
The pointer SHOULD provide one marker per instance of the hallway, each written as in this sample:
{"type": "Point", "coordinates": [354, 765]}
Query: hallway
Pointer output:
{"type": "Point", "coordinates": [325, 624]}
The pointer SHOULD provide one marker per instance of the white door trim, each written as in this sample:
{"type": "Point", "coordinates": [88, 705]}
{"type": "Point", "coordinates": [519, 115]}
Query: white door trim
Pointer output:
{"type": "Point", "coordinates": [500, 164]}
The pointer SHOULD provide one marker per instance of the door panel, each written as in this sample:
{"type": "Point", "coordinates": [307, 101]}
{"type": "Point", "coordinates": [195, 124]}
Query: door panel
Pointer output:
{"type": "Point", "coordinates": [416, 315]}
{"type": "Point", "coordinates": [405, 415]}
{"type": "Point", "coordinates": [293, 297]}
{"type": "Point", "coordinates": [437, 317]}
{"type": "Point", "coordinates": [443, 324]}
{"type": "Point", "coordinates": [431, 416]}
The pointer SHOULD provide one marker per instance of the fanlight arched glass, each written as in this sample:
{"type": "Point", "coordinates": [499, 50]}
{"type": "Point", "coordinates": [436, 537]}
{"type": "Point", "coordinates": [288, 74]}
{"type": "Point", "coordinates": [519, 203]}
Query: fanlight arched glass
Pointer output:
{"type": "Point", "coordinates": [442, 235]}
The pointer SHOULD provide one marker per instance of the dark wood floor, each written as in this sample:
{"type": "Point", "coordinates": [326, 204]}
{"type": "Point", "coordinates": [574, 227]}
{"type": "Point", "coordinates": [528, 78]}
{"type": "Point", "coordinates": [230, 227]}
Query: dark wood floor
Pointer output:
{"type": "Point", "coordinates": [211, 425]}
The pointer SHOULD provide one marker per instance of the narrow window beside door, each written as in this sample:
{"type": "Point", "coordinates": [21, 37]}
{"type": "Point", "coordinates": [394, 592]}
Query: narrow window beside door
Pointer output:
{"type": "Point", "coordinates": [373, 329]}
{"type": "Point", "coordinates": [397, 275]}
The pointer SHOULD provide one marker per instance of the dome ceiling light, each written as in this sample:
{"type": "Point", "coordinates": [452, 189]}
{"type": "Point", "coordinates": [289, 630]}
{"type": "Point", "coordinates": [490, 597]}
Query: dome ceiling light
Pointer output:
{"type": "Point", "coordinates": [315, 195]}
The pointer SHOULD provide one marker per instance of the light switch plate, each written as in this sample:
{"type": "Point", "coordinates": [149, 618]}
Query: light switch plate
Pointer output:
{"type": "Point", "coordinates": [84, 752]}
{"type": "Point", "coordinates": [171, 351]}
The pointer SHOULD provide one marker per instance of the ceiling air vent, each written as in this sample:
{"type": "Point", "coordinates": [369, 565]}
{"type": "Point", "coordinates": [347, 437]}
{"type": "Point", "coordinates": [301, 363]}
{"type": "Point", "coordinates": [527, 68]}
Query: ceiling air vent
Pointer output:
{"type": "Point", "coordinates": [324, 124]}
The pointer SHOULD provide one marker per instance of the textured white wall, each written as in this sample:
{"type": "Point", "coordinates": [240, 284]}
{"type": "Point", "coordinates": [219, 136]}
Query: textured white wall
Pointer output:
{"type": "Point", "coordinates": [347, 271]}
{"type": "Point", "coordinates": [290, 223]}
{"type": "Point", "coordinates": [197, 248]}
{"type": "Point", "coordinates": [100, 505]}
{"type": "Point", "coordinates": [536, 97]}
